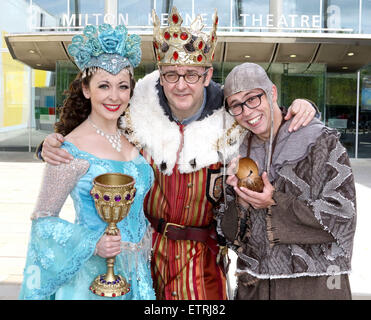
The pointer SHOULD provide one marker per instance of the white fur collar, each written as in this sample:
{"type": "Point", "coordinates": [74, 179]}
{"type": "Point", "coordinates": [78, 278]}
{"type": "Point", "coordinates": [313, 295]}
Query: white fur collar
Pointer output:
{"type": "Point", "coordinates": [150, 128]}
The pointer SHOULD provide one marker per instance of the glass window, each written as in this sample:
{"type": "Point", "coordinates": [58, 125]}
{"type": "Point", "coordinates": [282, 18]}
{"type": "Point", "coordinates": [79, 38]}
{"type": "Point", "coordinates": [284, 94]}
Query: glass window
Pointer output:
{"type": "Point", "coordinates": [341, 14]}
{"type": "Point", "coordinates": [135, 13]}
{"type": "Point", "coordinates": [185, 8]}
{"type": "Point", "coordinates": [14, 16]}
{"type": "Point", "coordinates": [364, 127]}
{"type": "Point", "coordinates": [284, 16]}
{"type": "Point", "coordinates": [366, 14]}
{"type": "Point", "coordinates": [66, 72]}
{"type": "Point", "coordinates": [84, 12]}
{"type": "Point", "coordinates": [189, 9]}
{"type": "Point", "coordinates": [295, 80]}
{"type": "Point", "coordinates": [44, 106]}
{"type": "Point", "coordinates": [302, 16]}
{"type": "Point", "coordinates": [52, 7]}
{"type": "Point", "coordinates": [340, 111]}
{"type": "Point", "coordinates": [250, 15]}
{"type": "Point", "coordinates": [47, 13]}
{"type": "Point", "coordinates": [87, 6]}
{"type": "Point", "coordinates": [207, 9]}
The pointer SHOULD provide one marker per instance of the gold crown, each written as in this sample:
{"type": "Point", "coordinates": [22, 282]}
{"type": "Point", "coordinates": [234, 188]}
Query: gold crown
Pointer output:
{"type": "Point", "coordinates": [183, 46]}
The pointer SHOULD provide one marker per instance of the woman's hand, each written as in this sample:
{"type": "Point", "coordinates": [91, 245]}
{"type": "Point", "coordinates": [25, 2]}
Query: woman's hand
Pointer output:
{"type": "Point", "coordinates": [108, 246]}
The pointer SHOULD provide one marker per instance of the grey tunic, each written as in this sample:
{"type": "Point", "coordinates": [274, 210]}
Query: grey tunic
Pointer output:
{"type": "Point", "coordinates": [302, 248]}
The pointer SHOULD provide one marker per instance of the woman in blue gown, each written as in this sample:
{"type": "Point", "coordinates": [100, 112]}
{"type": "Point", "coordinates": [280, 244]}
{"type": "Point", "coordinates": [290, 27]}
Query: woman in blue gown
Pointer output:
{"type": "Point", "coordinates": [64, 258]}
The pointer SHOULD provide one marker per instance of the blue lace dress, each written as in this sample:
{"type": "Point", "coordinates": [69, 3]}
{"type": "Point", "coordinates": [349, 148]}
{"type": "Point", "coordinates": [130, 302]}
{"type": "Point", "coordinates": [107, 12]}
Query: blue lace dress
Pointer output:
{"type": "Point", "coordinates": [60, 261]}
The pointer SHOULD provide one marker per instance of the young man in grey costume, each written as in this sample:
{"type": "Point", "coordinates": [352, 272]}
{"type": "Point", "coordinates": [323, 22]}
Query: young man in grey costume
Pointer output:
{"type": "Point", "coordinates": [294, 240]}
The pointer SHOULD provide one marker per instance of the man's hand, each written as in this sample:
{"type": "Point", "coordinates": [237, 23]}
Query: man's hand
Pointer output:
{"type": "Point", "coordinates": [259, 200]}
{"type": "Point", "coordinates": [51, 151]}
{"type": "Point", "coordinates": [232, 180]}
{"type": "Point", "coordinates": [303, 113]}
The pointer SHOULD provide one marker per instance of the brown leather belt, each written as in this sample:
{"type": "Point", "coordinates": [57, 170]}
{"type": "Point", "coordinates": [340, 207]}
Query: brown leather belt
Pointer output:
{"type": "Point", "coordinates": [174, 231]}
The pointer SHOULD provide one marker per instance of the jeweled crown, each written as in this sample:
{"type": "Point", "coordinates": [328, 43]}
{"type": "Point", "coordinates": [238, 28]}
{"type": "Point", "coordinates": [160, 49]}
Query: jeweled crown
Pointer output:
{"type": "Point", "coordinates": [111, 49]}
{"type": "Point", "coordinates": [181, 45]}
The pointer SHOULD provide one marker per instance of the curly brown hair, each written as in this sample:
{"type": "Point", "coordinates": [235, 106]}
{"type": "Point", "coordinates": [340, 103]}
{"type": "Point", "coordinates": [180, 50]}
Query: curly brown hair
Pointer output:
{"type": "Point", "coordinates": [76, 107]}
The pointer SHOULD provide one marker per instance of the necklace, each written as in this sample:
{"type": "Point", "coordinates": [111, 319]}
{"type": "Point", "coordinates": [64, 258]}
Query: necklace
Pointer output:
{"type": "Point", "coordinates": [113, 139]}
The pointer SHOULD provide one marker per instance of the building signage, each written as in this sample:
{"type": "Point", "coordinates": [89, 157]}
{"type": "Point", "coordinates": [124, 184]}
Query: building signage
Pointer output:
{"type": "Point", "coordinates": [291, 21]}
{"type": "Point", "coordinates": [79, 20]}
{"type": "Point", "coordinates": [247, 21]}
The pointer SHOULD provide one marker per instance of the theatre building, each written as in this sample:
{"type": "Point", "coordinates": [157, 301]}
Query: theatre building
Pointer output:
{"type": "Point", "coordinates": [318, 49]}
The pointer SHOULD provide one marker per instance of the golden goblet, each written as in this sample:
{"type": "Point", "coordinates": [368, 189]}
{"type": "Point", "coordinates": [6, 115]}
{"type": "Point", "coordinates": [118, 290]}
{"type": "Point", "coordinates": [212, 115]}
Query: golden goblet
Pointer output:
{"type": "Point", "coordinates": [113, 194]}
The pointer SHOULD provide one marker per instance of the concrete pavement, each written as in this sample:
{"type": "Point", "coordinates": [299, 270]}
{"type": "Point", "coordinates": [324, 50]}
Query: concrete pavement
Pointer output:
{"type": "Point", "coordinates": [20, 177]}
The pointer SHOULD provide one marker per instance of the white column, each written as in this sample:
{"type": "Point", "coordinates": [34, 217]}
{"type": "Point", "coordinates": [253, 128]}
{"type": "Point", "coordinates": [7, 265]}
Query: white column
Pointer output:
{"type": "Point", "coordinates": [357, 113]}
{"type": "Point", "coordinates": [31, 100]}
{"type": "Point", "coordinates": [110, 12]}
{"type": "Point", "coordinates": [275, 9]}
{"type": "Point", "coordinates": [360, 17]}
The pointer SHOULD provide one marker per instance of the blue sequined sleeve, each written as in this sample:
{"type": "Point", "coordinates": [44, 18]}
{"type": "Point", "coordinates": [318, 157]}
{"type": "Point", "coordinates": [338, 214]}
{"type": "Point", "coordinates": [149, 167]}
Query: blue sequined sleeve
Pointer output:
{"type": "Point", "coordinates": [57, 248]}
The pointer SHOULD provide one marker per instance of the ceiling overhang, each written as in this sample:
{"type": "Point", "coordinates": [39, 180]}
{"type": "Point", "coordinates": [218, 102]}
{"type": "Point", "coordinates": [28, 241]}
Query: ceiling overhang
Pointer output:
{"type": "Point", "coordinates": [42, 50]}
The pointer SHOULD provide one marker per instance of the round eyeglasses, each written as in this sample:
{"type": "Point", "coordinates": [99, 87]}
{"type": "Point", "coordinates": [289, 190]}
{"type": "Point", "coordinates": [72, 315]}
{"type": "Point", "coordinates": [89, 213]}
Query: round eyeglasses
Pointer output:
{"type": "Point", "coordinates": [189, 77]}
{"type": "Point", "coordinates": [251, 103]}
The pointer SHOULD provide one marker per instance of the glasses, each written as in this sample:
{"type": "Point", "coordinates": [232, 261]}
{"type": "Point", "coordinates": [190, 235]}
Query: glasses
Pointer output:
{"type": "Point", "coordinates": [189, 77]}
{"type": "Point", "coordinates": [251, 103]}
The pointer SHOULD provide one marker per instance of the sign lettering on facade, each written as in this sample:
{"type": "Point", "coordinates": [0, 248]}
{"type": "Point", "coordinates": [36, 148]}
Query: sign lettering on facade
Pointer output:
{"type": "Point", "coordinates": [283, 21]}
{"type": "Point", "coordinates": [78, 20]}
{"type": "Point", "coordinates": [248, 20]}
{"type": "Point", "coordinates": [245, 21]}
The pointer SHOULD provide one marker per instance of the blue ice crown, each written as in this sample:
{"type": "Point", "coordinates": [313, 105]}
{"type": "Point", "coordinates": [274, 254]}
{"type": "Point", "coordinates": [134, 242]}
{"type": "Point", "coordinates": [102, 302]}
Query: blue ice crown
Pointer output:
{"type": "Point", "coordinates": [111, 49]}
